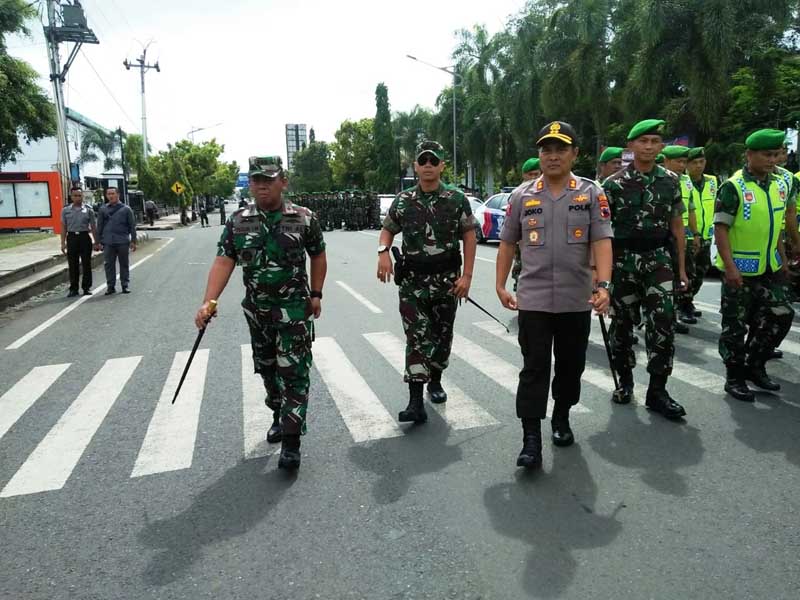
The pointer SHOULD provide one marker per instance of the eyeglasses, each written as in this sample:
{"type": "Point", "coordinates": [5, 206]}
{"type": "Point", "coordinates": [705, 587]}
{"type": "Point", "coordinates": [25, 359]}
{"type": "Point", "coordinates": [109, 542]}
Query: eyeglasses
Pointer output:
{"type": "Point", "coordinates": [428, 158]}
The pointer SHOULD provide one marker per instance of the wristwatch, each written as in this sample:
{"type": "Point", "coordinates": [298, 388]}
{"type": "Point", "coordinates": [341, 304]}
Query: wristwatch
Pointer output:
{"type": "Point", "coordinates": [606, 285]}
{"type": "Point", "coordinates": [382, 249]}
{"type": "Point", "coordinates": [315, 294]}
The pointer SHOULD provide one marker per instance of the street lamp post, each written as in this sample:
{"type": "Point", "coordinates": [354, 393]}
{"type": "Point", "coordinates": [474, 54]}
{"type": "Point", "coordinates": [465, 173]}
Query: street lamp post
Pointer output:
{"type": "Point", "coordinates": [192, 131]}
{"type": "Point", "coordinates": [451, 71]}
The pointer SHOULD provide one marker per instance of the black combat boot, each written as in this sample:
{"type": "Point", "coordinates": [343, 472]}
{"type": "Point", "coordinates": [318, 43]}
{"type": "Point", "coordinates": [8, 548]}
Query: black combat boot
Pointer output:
{"type": "Point", "coordinates": [275, 432]}
{"type": "Point", "coordinates": [562, 433]}
{"type": "Point", "coordinates": [624, 395]}
{"type": "Point", "coordinates": [437, 393]}
{"type": "Point", "coordinates": [659, 400]}
{"type": "Point", "coordinates": [756, 373]}
{"type": "Point", "coordinates": [681, 327]}
{"type": "Point", "coordinates": [736, 386]}
{"type": "Point", "coordinates": [290, 453]}
{"type": "Point", "coordinates": [531, 455]}
{"type": "Point", "coordinates": [694, 310]}
{"type": "Point", "coordinates": [775, 354]}
{"type": "Point", "coordinates": [686, 314]}
{"type": "Point", "coordinates": [415, 411]}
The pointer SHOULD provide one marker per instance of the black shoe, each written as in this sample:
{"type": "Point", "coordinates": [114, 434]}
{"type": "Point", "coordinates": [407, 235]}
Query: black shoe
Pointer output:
{"type": "Point", "coordinates": [530, 457]}
{"type": "Point", "coordinates": [775, 355]}
{"type": "Point", "coordinates": [275, 432]}
{"type": "Point", "coordinates": [87, 292]}
{"type": "Point", "coordinates": [72, 293]}
{"type": "Point", "coordinates": [562, 433]}
{"type": "Point", "coordinates": [636, 340]}
{"type": "Point", "coordinates": [694, 311]}
{"type": "Point", "coordinates": [659, 400]}
{"type": "Point", "coordinates": [415, 411]}
{"type": "Point", "coordinates": [681, 328]}
{"type": "Point", "coordinates": [739, 390]}
{"type": "Point", "coordinates": [290, 453]}
{"type": "Point", "coordinates": [110, 291]}
{"type": "Point", "coordinates": [758, 375]}
{"type": "Point", "coordinates": [624, 395]}
{"type": "Point", "coordinates": [687, 316]}
{"type": "Point", "coordinates": [126, 290]}
{"type": "Point", "coordinates": [437, 393]}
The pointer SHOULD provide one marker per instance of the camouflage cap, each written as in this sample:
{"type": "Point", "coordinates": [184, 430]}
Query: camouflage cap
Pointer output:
{"type": "Point", "coordinates": [431, 146]}
{"type": "Point", "coordinates": [266, 166]}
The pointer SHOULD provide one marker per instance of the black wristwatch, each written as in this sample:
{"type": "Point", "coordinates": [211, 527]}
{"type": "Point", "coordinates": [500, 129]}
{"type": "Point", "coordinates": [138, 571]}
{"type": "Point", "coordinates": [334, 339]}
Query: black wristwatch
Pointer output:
{"type": "Point", "coordinates": [315, 294]}
{"type": "Point", "coordinates": [606, 285]}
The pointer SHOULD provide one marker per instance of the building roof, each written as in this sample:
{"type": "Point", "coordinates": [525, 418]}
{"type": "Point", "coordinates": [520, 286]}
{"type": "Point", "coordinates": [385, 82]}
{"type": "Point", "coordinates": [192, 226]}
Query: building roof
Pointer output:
{"type": "Point", "coordinates": [85, 121]}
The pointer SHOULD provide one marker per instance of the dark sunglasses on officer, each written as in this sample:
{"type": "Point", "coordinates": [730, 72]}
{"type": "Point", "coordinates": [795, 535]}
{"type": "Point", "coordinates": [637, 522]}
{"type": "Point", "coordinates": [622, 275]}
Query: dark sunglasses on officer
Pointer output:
{"type": "Point", "coordinates": [427, 157]}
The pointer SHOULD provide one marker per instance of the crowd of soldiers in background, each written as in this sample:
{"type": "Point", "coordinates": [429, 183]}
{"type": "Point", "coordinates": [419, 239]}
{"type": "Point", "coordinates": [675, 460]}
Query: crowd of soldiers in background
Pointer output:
{"type": "Point", "coordinates": [351, 210]}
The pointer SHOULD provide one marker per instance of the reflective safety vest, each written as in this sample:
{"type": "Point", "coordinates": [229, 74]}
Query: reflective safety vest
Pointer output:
{"type": "Point", "coordinates": [686, 195]}
{"type": "Point", "coordinates": [704, 204]}
{"type": "Point", "coordinates": [757, 227]}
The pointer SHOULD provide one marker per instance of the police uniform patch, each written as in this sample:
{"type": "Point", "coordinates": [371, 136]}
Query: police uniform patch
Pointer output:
{"type": "Point", "coordinates": [533, 222]}
{"type": "Point", "coordinates": [533, 236]}
{"type": "Point", "coordinates": [539, 185]}
{"type": "Point", "coordinates": [581, 198]}
{"type": "Point", "coordinates": [749, 197]}
{"type": "Point", "coordinates": [573, 185]}
{"type": "Point", "coordinates": [534, 202]}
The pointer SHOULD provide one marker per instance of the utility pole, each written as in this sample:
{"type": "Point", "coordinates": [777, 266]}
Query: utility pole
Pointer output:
{"type": "Point", "coordinates": [119, 132]}
{"type": "Point", "coordinates": [73, 28]}
{"type": "Point", "coordinates": [143, 66]}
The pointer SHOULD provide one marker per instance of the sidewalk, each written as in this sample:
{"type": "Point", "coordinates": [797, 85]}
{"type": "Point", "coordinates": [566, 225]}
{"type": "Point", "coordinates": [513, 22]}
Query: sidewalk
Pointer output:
{"type": "Point", "coordinates": [30, 269]}
{"type": "Point", "coordinates": [164, 224]}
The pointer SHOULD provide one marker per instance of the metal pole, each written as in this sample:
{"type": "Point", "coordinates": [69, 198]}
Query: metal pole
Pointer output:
{"type": "Point", "coordinates": [124, 166]}
{"type": "Point", "coordinates": [455, 164]}
{"type": "Point", "coordinates": [144, 108]}
{"type": "Point", "coordinates": [58, 97]}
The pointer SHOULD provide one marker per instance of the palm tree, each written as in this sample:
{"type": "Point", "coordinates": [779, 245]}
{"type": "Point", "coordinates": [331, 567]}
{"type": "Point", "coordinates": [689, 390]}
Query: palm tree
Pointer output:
{"type": "Point", "coordinates": [107, 144]}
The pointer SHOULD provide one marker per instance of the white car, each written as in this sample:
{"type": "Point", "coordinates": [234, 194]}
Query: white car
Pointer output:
{"type": "Point", "coordinates": [386, 201]}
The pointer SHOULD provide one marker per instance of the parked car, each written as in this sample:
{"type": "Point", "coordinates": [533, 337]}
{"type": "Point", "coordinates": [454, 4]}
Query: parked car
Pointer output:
{"type": "Point", "coordinates": [491, 215]}
{"type": "Point", "coordinates": [474, 203]}
{"type": "Point", "coordinates": [386, 201]}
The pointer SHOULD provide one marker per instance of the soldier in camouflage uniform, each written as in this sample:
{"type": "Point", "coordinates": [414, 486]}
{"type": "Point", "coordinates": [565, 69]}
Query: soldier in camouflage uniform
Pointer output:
{"type": "Point", "coordinates": [269, 239]}
{"type": "Point", "coordinates": [646, 211]}
{"type": "Point", "coordinates": [750, 208]}
{"type": "Point", "coordinates": [531, 169]}
{"type": "Point", "coordinates": [704, 196]}
{"type": "Point", "coordinates": [434, 218]}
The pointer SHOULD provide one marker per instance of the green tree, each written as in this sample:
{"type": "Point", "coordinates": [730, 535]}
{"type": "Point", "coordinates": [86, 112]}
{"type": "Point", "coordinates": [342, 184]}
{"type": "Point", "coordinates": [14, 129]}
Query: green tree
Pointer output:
{"type": "Point", "coordinates": [385, 151]}
{"type": "Point", "coordinates": [25, 111]}
{"type": "Point", "coordinates": [409, 129]}
{"type": "Point", "coordinates": [107, 143]}
{"type": "Point", "coordinates": [312, 170]}
{"type": "Point", "coordinates": [353, 154]}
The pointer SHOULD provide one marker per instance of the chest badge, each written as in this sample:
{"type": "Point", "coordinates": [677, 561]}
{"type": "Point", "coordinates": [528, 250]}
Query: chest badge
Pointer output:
{"type": "Point", "coordinates": [534, 202]}
{"type": "Point", "coordinates": [578, 233]}
{"type": "Point", "coordinates": [581, 198]}
{"type": "Point", "coordinates": [533, 222]}
{"type": "Point", "coordinates": [533, 236]}
{"type": "Point", "coordinates": [749, 197]}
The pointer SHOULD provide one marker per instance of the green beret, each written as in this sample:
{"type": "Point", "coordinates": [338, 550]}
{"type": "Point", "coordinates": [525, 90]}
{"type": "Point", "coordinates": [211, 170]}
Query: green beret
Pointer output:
{"type": "Point", "coordinates": [646, 127]}
{"type": "Point", "coordinates": [676, 151]}
{"type": "Point", "coordinates": [660, 158]}
{"type": "Point", "coordinates": [532, 164]}
{"type": "Point", "coordinates": [765, 139]}
{"type": "Point", "coordinates": [610, 153]}
{"type": "Point", "coordinates": [697, 153]}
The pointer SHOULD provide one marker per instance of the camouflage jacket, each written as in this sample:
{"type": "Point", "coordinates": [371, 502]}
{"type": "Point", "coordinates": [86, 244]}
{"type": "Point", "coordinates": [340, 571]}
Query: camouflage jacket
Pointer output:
{"type": "Point", "coordinates": [643, 204]}
{"type": "Point", "coordinates": [271, 248]}
{"type": "Point", "coordinates": [432, 222]}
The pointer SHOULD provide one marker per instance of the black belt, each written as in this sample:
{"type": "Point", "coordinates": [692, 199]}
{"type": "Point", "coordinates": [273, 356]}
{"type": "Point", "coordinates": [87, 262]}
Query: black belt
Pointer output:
{"type": "Point", "coordinates": [640, 244]}
{"type": "Point", "coordinates": [77, 233]}
{"type": "Point", "coordinates": [433, 265]}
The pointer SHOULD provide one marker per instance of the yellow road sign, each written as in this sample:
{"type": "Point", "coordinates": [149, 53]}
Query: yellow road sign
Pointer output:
{"type": "Point", "coordinates": [177, 187]}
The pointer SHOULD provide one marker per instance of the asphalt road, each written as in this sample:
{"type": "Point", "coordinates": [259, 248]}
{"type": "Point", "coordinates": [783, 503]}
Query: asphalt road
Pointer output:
{"type": "Point", "coordinates": [107, 492]}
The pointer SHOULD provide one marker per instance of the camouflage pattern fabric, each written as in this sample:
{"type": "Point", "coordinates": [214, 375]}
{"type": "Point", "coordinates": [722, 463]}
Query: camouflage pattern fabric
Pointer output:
{"type": "Point", "coordinates": [702, 264]}
{"type": "Point", "coordinates": [433, 225]}
{"type": "Point", "coordinates": [517, 268]}
{"type": "Point", "coordinates": [271, 248]}
{"type": "Point", "coordinates": [760, 311]}
{"type": "Point", "coordinates": [684, 297]}
{"type": "Point", "coordinates": [643, 281]}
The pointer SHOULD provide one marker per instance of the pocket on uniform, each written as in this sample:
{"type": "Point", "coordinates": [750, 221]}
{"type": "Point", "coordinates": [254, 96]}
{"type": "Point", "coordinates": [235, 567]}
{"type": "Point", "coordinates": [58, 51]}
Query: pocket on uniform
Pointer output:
{"type": "Point", "coordinates": [534, 237]}
{"type": "Point", "coordinates": [250, 252]}
{"type": "Point", "coordinates": [578, 227]}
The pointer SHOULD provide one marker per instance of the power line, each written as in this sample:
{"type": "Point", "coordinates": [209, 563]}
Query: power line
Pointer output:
{"type": "Point", "coordinates": [124, 18]}
{"type": "Point", "coordinates": [110, 93]}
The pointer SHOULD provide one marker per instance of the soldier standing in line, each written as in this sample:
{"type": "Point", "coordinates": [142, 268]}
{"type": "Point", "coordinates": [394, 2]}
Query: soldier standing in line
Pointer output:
{"type": "Point", "coordinates": [270, 239]}
{"type": "Point", "coordinates": [560, 220]}
{"type": "Point", "coordinates": [756, 313]}
{"type": "Point", "coordinates": [647, 215]}
{"type": "Point", "coordinates": [704, 197]}
{"type": "Point", "coordinates": [434, 219]}
{"type": "Point", "coordinates": [609, 163]}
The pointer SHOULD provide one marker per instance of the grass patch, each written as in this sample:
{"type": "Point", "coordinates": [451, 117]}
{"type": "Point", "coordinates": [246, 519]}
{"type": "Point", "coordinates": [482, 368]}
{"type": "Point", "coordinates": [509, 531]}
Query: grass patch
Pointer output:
{"type": "Point", "coordinates": [10, 240]}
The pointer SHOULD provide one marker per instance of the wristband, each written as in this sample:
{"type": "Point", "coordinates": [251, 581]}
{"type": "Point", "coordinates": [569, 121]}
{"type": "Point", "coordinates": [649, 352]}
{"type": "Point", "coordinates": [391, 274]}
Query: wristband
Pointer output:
{"type": "Point", "coordinates": [315, 294]}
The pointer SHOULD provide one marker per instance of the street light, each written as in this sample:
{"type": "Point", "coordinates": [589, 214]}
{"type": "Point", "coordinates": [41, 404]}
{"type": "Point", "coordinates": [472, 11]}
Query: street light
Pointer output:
{"type": "Point", "coordinates": [191, 133]}
{"type": "Point", "coordinates": [451, 71]}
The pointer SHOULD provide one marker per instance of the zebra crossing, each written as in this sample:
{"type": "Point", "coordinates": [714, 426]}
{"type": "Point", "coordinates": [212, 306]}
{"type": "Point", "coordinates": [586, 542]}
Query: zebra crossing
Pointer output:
{"type": "Point", "coordinates": [170, 441]}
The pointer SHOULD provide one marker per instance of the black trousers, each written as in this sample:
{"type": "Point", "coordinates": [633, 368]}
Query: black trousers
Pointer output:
{"type": "Point", "coordinates": [79, 251]}
{"type": "Point", "coordinates": [543, 335]}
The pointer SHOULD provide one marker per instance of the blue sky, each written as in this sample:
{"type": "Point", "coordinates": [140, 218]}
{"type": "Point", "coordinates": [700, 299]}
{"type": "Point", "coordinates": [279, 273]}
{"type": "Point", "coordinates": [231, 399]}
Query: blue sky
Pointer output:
{"type": "Point", "coordinates": [255, 65]}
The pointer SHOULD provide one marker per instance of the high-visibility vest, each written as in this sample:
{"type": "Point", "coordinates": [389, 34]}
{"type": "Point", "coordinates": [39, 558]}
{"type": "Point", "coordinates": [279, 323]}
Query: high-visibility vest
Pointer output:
{"type": "Point", "coordinates": [704, 204]}
{"type": "Point", "coordinates": [686, 195]}
{"type": "Point", "coordinates": [757, 228]}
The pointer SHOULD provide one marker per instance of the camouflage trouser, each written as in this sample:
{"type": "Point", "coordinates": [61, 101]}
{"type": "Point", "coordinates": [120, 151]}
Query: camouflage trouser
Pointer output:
{"type": "Point", "coordinates": [517, 268]}
{"type": "Point", "coordinates": [684, 297]}
{"type": "Point", "coordinates": [759, 310]}
{"type": "Point", "coordinates": [282, 356]}
{"type": "Point", "coordinates": [702, 263]}
{"type": "Point", "coordinates": [643, 280]}
{"type": "Point", "coordinates": [428, 322]}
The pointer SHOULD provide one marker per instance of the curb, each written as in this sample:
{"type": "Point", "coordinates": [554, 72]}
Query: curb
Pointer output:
{"type": "Point", "coordinates": [51, 276]}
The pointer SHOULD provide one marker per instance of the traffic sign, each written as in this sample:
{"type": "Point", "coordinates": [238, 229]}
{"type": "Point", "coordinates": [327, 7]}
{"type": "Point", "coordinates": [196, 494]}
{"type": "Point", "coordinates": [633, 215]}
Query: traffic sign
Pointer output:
{"type": "Point", "coordinates": [177, 187]}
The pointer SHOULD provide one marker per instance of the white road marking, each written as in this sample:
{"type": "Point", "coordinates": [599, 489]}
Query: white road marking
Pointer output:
{"type": "Point", "coordinates": [495, 368]}
{"type": "Point", "coordinates": [364, 415]}
{"type": "Point", "coordinates": [370, 234]}
{"type": "Point", "coordinates": [370, 306]}
{"type": "Point", "coordinates": [170, 439]}
{"type": "Point", "coordinates": [484, 259]}
{"type": "Point", "coordinates": [16, 401]}
{"type": "Point", "coordinates": [64, 312]}
{"type": "Point", "coordinates": [460, 411]}
{"type": "Point", "coordinates": [257, 417]}
{"type": "Point", "coordinates": [51, 463]}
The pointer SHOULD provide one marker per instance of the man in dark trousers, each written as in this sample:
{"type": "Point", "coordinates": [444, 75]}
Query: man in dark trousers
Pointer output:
{"type": "Point", "coordinates": [116, 227]}
{"type": "Point", "coordinates": [77, 220]}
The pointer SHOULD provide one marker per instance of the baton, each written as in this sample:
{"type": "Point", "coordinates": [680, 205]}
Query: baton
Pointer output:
{"type": "Point", "coordinates": [608, 350]}
{"type": "Point", "coordinates": [212, 306]}
{"type": "Point", "coordinates": [468, 299]}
